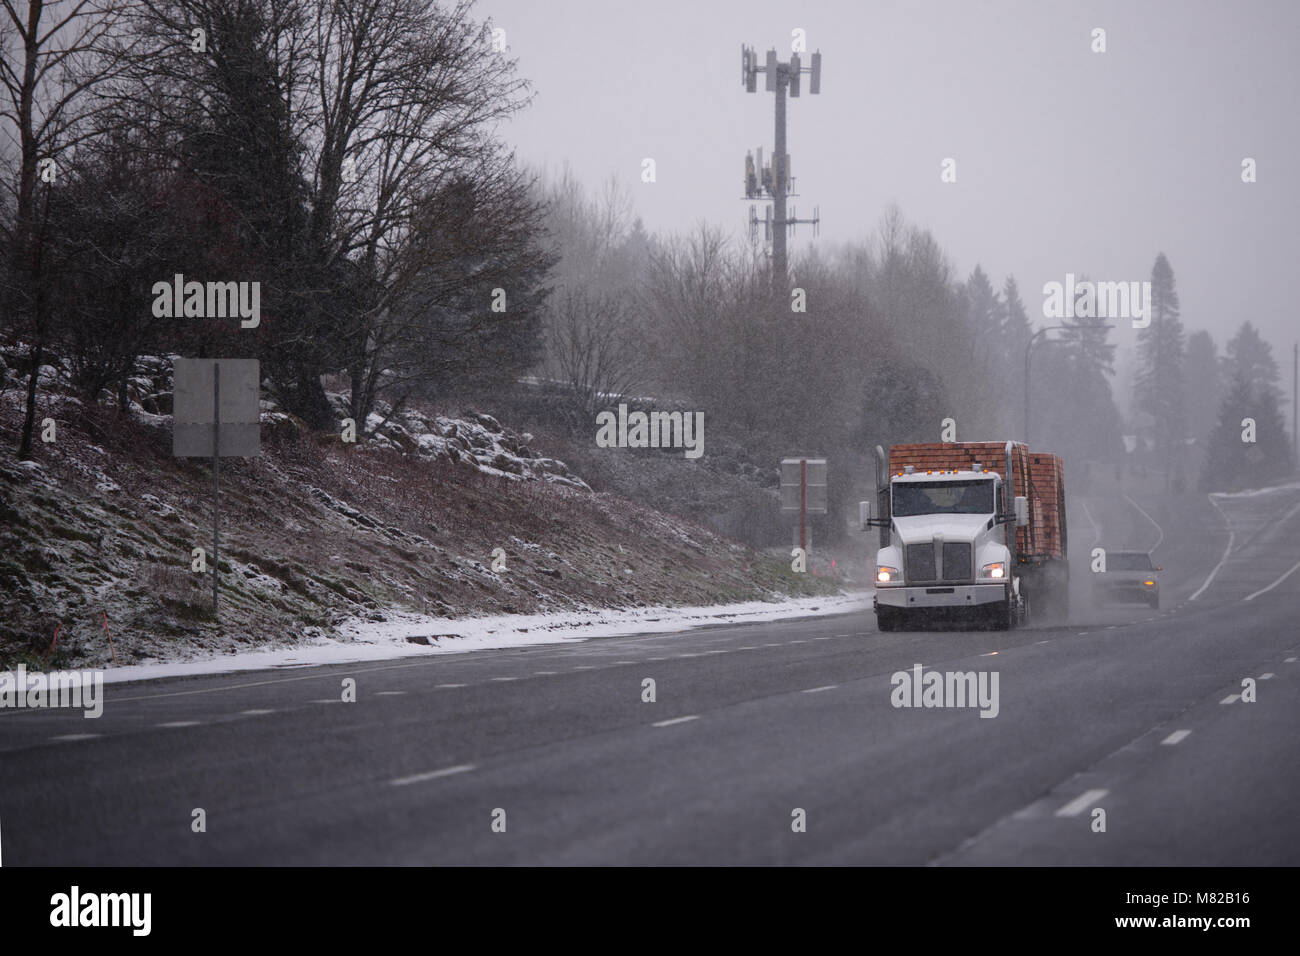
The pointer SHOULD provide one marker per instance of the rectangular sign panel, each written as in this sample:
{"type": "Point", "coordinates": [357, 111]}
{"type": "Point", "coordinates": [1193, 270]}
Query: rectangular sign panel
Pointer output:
{"type": "Point", "coordinates": [816, 485]}
{"type": "Point", "coordinates": [193, 411]}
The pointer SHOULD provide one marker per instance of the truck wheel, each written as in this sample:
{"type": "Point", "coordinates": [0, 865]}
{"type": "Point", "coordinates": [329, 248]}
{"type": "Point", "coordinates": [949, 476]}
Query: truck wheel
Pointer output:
{"type": "Point", "coordinates": [888, 618]}
{"type": "Point", "coordinates": [1002, 615]}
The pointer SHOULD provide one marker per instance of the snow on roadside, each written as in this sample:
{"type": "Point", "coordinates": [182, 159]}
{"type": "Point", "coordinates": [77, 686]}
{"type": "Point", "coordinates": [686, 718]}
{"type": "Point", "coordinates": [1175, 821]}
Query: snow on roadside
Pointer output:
{"type": "Point", "coordinates": [1255, 492]}
{"type": "Point", "coordinates": [367, 641]}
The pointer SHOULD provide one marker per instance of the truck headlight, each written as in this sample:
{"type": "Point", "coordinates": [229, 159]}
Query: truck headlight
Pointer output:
{"type": "Point", "coordinates": [887, 575]}
{"type": "Point", "coordinates": [997, 571]}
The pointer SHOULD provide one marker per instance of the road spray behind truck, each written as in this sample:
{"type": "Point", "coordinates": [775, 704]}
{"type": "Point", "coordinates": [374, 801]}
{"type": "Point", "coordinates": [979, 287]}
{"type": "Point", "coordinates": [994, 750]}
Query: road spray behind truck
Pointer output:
{"type": "Point", "coordinates": [969, 531]}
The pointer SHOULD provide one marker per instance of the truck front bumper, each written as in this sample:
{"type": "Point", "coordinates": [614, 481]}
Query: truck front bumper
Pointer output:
{"type": "Point", "coordinates": [941, 596]}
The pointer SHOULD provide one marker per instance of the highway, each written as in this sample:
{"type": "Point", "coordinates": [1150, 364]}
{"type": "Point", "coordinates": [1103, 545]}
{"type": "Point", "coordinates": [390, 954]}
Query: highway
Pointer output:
{"type": "Point", "coordinates": [550, 755]}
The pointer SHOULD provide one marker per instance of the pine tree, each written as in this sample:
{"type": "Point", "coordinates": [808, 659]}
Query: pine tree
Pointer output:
{"type": "Point", "coordinates": [1161, 347]}
{"type": "Point", "coordinates": [1203, 393]}
{"type": "Point", "coordinates": [1248, 447]}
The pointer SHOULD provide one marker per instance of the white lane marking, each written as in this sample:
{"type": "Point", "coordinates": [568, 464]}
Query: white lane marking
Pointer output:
{"type": "Point", "coordinates": [990, 654]}
{"type": "Point", "coordinates": [255, 713]}
{"type": "Point", "coordinates": [634, 662]}
{"type": "Point", "coordinates": [817, 690]}
{"type": "Point", "coordinates": [504, 678]}
{"type": "Point", "coordinates": [179, 723]}
{"type": "Point", "coordinates": [748, 647]}
{"type": "Point", "coordinates": [1268, 676]}
{"type": "Point", "coordinates": [771, 645]}
{"type": "Point", "coordinates": [1230, 699]}
{"type": "Point", "coordinates": [389, 693]}
{"type": "Point", "coordinates": [675, 720]}
{"type": "Point", "coordinates": [1290, 660]}
{"type": "Point", "coordinates": [1081, 803]}
{"type": "Point", "coordinates": [76, 736]}
{"type": "Point", "coordinates": [585, 667]}
{"type": "Point", "coordinates": [1232, 536]}
{"type": "Point", "coordinates": [837, 635]}
{"type": "Point", "coordinates": [327, 700]}
{"type": "Point", "coordinates": [545, 673]}
{"type": "Point", "coordinates": [431, 775]}
{"type": "Point", "coordinates": [1294, 568]}
{"type": "Point", "coordinates": [1175, 737]}
{"type": "Point", "coordinates": [798, 642]}
{"type": "Point", "coordinates": [453, 685]}
{"type": "Point", "coordinates": [1152, 520]}
{"type": "Point", "coordinates": [1036, 643]}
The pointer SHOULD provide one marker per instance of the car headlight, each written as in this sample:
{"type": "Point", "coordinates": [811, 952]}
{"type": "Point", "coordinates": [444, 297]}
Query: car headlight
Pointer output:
{"type": "Point", "coordinates": [887, 575]}
{"type": "Point", "coordinates": [997, 571]}
{"type": "Point", "coordinates": [1149, 583]}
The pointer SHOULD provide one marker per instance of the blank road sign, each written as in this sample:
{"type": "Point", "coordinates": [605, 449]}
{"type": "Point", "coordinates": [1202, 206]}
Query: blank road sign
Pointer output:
{"type": "Point", "coordinates": [192, 408]}
{"type": "Point", "coordinates": [816, 484]}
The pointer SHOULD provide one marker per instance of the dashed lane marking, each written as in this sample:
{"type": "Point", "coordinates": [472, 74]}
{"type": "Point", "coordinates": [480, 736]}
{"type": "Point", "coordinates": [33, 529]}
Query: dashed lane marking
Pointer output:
{"type": "Point", "coordinates": [1081, 803]}
{"type": "Point", "coordinates": [431, 775]}
{"type": "Point", "coordinates": [675, 720]}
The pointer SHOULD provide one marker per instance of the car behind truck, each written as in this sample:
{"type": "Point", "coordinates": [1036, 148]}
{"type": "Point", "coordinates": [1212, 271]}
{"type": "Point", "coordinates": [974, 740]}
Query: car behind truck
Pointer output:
{"type": "Point", "coordinates": [969, 532]}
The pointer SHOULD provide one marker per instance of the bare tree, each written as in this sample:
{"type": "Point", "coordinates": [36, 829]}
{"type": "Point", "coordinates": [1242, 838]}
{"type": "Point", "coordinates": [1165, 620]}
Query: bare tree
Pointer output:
{"type": "Point", "coordinates": [590, 344]}
{"type": "Point", "coordinates": [60, 52]}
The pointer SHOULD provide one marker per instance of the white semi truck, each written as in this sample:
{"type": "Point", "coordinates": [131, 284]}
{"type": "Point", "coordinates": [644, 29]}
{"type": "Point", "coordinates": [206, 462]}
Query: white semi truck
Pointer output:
{"type": "Point", "coordinates": [969, 531]}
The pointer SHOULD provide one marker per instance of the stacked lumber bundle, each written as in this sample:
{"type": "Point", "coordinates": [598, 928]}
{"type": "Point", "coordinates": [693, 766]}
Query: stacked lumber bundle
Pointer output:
{"type": "Point", "coordinates": [1039, 477]}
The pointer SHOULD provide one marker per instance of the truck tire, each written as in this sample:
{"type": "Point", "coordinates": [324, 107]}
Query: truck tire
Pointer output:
{"type": "Point", "coordinates": [1002, 615]}
{"type": "Point", "coordinates": [888, 618]}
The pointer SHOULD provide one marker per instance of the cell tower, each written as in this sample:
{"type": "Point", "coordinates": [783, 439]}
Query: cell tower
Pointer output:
{"type": "Point", "coordinates": [775, 181]}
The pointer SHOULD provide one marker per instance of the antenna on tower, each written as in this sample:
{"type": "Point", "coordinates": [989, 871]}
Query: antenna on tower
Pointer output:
{"type": "Point", "coordinates": [775, 179]}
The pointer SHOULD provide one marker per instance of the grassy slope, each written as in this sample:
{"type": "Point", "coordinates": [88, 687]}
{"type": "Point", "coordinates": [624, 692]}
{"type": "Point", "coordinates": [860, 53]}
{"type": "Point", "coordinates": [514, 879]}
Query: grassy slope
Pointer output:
{"type": "Point", "coordinates": [313, 533]}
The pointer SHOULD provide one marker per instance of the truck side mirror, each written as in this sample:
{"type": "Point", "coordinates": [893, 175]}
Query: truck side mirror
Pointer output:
{"type": "Point", "coordinates": [1022, 511]}
{"type": "Point", "coordinates": [864, 514]}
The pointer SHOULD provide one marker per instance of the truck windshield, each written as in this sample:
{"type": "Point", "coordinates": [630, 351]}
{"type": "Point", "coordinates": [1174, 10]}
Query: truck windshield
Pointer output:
{"type": "Point", "coordinates": [943, 497]}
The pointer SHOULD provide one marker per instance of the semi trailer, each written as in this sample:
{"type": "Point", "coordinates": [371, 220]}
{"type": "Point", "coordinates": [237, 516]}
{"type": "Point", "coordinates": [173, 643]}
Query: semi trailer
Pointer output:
{"type": "Point", "coordinates": [969, 532]}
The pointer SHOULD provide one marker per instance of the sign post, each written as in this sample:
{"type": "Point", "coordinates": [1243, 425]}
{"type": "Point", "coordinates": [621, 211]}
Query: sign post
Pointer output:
{"type": "Point", "coordinates": [803, 489]}
{"type": "Point", "coordinates": [227, 425]}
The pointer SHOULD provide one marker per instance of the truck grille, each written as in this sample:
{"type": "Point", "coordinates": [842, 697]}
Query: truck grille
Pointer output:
{"type": "Point", "coordinates": [919, 564]}
{"type": "Point", "coordinates": [956, 562]}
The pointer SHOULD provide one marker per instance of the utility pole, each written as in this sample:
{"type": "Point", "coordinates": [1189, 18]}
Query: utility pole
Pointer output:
{"type": "Point", "coordinates": [779, 78]}
{"type": "Point", "coordinates": [1295, 381]}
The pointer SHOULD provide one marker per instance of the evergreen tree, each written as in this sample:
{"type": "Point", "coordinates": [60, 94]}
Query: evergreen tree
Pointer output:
{"type": "Point", "coordinates": [1248, 448]}
{"type": "Point", "coordinates": [1159, 387]}
{"type": "Point", "coordinates": [1203, 394]}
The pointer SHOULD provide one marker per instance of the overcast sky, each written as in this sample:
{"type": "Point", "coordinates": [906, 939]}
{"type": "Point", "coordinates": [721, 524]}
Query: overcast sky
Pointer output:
{"type": "Point", "coordinates": [1067, 160]}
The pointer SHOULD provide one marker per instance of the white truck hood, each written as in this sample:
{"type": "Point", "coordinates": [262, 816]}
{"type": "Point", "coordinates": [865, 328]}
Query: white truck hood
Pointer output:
{"type": "Point", "coordinates": [917, 529]}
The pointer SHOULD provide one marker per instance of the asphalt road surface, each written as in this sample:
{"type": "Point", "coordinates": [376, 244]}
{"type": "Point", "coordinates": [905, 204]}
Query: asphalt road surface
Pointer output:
{"type": "Point", "coordinates": [1134, 712]}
